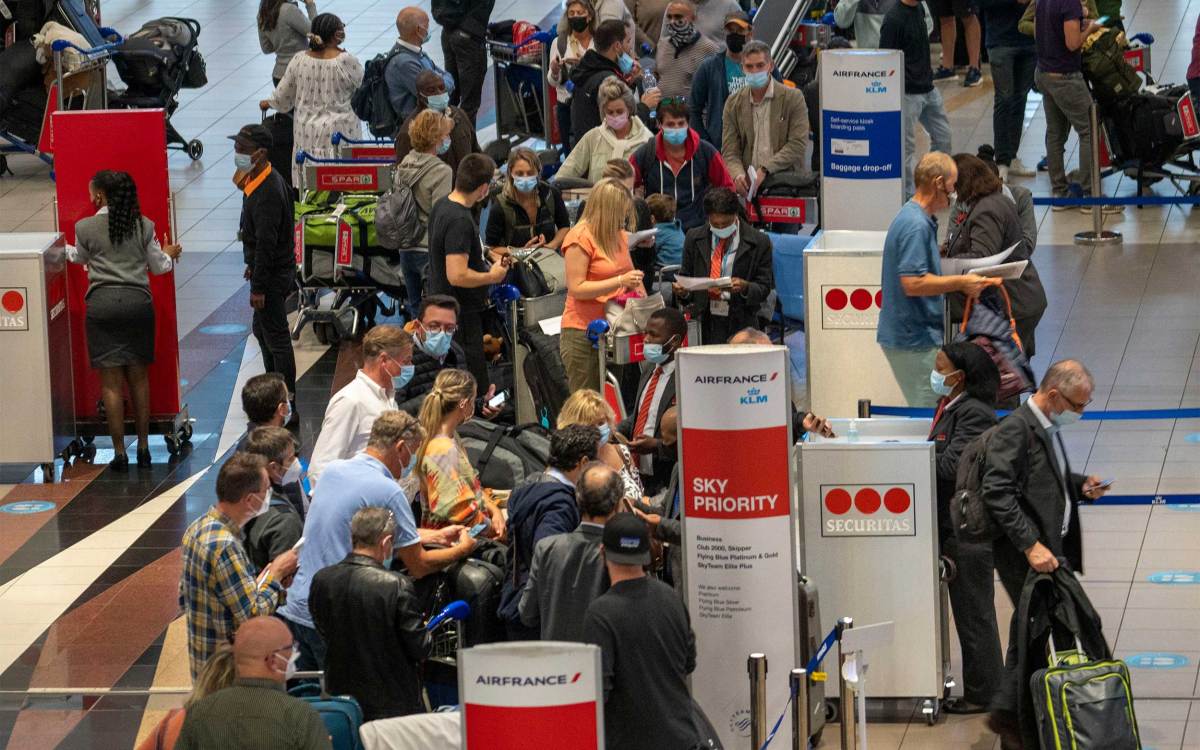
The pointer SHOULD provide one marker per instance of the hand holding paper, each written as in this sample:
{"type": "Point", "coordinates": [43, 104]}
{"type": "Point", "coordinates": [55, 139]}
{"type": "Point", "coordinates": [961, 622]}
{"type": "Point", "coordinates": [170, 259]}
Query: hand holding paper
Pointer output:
{"type": "Point", "coordinates": [700, 283]}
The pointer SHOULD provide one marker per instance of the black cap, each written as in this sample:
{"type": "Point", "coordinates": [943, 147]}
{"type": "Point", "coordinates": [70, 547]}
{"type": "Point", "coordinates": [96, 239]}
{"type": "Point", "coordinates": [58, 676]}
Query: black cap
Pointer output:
{"type": "Point", "coordinates": [627, 540]}
{"type": "Point", "coordinates": [256, 136]}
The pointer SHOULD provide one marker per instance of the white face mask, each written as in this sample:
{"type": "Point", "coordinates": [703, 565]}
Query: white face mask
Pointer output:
{"type": "Point", "coordinates": [262, 509]}
{"type": "Point", "coordinates": [290, 670]}
{"type": "Point", "coordinates": [293, 473]}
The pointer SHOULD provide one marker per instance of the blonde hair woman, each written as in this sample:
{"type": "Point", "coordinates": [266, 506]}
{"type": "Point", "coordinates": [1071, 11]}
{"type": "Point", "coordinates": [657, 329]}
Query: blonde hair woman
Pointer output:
{"type": "Point", "coordinates": [618, 135]}
{"type": "Point", "coordinates": [599, 268]}
{"type": "Point", "coordinates": [453, 494]}
{"type": "Point", "coordinates": [589, 408]}
{"type": "Point", "coordinates": [218, 673]}
{"type": "Point", "coordinates": [527, 212]}
{"type": "Point", "coordinates": [430, 179]}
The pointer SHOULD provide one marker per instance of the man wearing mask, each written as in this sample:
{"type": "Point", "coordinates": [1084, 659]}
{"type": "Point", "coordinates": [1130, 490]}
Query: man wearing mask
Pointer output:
{"type": "Point", "coordinates": [435, 350]}
{"type": "Point", "coordinates": [681, 50]}
{"type": "Point", "coordinates": [1033, 496]}
{"type": "Point", "coordinates": [910, 320]}
{"type": "Point", "coordinates": [720, 77]}
{"type": "Point", "coordinates": [265, 403]}
{"type": "Point", "coordinates": [281, 525]}
{"type": "Point", "coordinates": [609, 56]}
{"type": "Point", "coordinates": [431, 94]}
{"type": "Point", "coordinates": [369, 479]}
{"type": "Point", "coordinates": [387, 366]}
{"type": "Point", "coordinates": [540, 509]}
{"type": "Point", "coordinates": [256, 711]}
{"type": "Point", "coordinates": [266, 233]}
{"type": "Point", "coordinates": [408, 59]}
{"type": "Point", "coordinates": [665, 333]}
{"type": "Point", "coordinates": [218, 591]}
{"type": "Point", "coordinates": [370, 618]}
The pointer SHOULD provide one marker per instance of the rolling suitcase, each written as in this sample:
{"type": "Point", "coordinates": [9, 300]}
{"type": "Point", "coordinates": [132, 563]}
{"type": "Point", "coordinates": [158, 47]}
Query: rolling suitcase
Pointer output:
{"type": "Point", "coordinates": [342, 715]}
{"type": "Point", "coordinates": [478, 584]}
{"type": "Point", "coordinates": [810, 641]}
{"type": "Point", "coordinates": [1082, 704]}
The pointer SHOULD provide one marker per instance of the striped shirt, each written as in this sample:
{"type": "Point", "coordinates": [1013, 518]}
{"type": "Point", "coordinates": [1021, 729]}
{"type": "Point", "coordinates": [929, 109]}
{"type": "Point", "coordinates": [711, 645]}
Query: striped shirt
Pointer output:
{"type": "Point", "coordinates": [217, 590]}
{"type": "Point", "coordinates": [253, 714]}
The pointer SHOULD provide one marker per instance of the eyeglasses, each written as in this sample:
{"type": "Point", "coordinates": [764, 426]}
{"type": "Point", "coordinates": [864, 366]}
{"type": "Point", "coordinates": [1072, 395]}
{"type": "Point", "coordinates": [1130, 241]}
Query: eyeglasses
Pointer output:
{"type": "Point", "coordinates": [1072, 404]}
{"type": "Point", "coordinates": [673, 100]}
{"type": "Point", "coordinates": [290, 647]}
{"type": "Point", "coordinates": [440, 328]}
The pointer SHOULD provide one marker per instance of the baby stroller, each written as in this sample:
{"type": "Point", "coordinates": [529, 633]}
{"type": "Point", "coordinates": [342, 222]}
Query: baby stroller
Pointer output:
{"type": "Point", "coordinates": [156, 62]}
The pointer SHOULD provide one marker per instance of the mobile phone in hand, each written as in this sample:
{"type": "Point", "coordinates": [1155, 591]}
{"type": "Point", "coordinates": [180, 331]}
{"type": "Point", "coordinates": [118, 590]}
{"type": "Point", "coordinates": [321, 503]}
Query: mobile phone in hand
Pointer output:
{"type": "Point", "coordinates": [479, 528]}
{"type": "Point", "coordinates": [498, 400]}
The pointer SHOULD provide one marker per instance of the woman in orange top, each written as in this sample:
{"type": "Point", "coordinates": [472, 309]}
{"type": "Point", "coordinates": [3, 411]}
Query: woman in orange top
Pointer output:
{"type": "Point", "coordinates": [599, 268]}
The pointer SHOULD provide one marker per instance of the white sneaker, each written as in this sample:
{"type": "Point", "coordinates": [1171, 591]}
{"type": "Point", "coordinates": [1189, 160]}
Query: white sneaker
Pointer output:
{"type": "Point", "coordinates": [1003, 172]}
{"type": "Point", "coordinates": [1018, 169]}
{"type": "Point", "coordinates": [1104, 210]}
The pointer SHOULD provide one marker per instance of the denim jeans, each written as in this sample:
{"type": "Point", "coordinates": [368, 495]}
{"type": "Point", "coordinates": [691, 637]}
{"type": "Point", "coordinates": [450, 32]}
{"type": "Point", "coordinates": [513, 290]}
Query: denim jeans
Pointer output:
{"type": "Point", "coordinates": [1068, 103]}
{"type": "Point", "coordinates": [312, 646]}
{"type": "Point", "coordinates": [412, 264]}
{"type": "Point", "coordinates": [931, 113]}
{"type": "Point", "coordinates": [1012, 75]}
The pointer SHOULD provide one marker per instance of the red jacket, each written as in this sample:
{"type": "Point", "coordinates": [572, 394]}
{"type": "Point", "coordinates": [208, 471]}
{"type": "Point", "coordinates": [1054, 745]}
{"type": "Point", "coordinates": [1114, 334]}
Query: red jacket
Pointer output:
{"type": "Point", "coordinates": [703, 168]}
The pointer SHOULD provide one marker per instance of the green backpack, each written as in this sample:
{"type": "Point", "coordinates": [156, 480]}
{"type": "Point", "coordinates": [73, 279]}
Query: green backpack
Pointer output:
{"type": "Point", "coordinates": [1105, 68]}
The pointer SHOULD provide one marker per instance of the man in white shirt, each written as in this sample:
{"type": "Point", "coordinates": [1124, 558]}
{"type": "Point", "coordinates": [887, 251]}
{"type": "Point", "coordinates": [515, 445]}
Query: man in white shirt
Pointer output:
{"type": "Point", "coordinates": [665, 332]}
{"type": "Point", "coordinates": [387, 365]}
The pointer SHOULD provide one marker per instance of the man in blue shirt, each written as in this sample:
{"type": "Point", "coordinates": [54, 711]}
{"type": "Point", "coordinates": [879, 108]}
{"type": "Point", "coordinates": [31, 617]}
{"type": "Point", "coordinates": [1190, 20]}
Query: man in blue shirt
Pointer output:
{"type": "Point", "coordinates": [910, 321]}
{"type": "Point", "coordinates": [409, 59]}
{"type": "Point", "coordinates": [366, 480]}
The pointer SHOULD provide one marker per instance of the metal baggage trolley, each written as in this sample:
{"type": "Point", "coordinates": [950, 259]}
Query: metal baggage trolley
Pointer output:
{"type": "Point", "coordinates": [523, 96]}
{"type": "Point", "coordinates": [371, 149]}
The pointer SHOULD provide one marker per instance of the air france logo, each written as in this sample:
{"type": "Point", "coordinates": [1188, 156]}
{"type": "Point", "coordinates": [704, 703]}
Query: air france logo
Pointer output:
{"type": "Point", "coordinates": [761, 377]}
{"type": "Point", "coordinates": [549, 680]}
{"type": "Point", "coordinates": [868, 510]}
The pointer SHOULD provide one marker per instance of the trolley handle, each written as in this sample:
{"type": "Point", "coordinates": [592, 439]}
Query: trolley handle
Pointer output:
{"type": "Point", "coordinates": [61, 45]}
{"type": "Point", "coordinates": [302, 157]}
{"type": "Point", "coordinates": [339, 137]}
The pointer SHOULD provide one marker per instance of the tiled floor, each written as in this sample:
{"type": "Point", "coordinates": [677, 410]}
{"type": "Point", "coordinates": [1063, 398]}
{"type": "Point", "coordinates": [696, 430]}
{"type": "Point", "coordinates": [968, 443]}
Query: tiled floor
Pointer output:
{"type": "Point", "coordinates": [87, 589]}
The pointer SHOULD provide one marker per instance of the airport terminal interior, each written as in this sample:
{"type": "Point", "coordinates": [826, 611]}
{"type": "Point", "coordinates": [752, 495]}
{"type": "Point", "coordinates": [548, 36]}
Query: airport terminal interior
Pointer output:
{"type": "Point", "coordinates": [92, 640]}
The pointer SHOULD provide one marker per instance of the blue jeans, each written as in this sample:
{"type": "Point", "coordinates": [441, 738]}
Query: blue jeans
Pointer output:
{"type": "Point", "coordinates": [412, 264]}
{"type": "Point", "coordinates": [1012, 75]}
{"type": "Point", "coordinates": [312, 646]}
{"type": "Point", "coordinates": [931, 113]}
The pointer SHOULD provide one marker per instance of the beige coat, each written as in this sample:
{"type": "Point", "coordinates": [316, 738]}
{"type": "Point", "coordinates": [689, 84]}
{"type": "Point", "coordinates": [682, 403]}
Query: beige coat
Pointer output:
{"type": "Point", "coordinates": [789, 132]}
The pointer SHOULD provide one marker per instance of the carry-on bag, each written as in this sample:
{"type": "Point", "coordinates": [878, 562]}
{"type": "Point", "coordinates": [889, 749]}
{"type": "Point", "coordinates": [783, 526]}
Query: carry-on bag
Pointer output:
{"type": "Point", "coordinates": [544, 374]}
{"type": "Point", "coordinates": [810, 642]}
{"type": "Point", "coordinates": [1104, 65]}
{"type": "Point", "coordinates": [988, 322]}
{"type": "Point", "coordinates": [1082, 704]}
{"type": "Point", "coordinates": [342, 715]}
{"type": "Point", "coordinates": [505, 457]}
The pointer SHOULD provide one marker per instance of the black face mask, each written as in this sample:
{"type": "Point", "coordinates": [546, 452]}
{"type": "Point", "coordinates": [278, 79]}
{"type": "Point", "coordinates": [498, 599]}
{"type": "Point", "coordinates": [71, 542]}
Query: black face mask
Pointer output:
{"type": "Point", "coordinates": [577, 23]}
{"type": "Point", "coordinates": [735, 42]}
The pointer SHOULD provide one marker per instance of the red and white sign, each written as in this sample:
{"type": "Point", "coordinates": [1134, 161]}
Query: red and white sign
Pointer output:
{"type": "Point", "coordinates": [347, 179]}
{"type": "Point", "coordinates": [298, 242]}
{"type": "Point", "coordinates": [373, 152]}
{"type": "Point", "coordinates": [1186, 108]}
{"type": "Point", "coordinates": [1138, 59]}
{"type": "Point", "coordinates": [531, 694]}
{"type": "Point", "coordinates": [782, 210]}
{"type": "Point", "coordinates": [867, 510]}
{"type": "Point", "coordinates": [14, 309]}
{"type": "Point", "coordinates": [345, 244]}
{"type": "Point", "coordinates": [849, 306]}
{"type": "Point", "coordinates": [739, 524]}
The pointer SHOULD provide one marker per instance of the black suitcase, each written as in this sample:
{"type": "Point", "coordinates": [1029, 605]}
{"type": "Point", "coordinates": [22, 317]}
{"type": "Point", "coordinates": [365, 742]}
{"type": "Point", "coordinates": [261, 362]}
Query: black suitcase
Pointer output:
{"type": "Point", "coordinates": [810, 641]}
{"type": "Point", "coordinates": [478, 584]}
{"type": "Point", "coordinates": [544, 374]}
{"type": "Point", "coordinates": [1147, 128]}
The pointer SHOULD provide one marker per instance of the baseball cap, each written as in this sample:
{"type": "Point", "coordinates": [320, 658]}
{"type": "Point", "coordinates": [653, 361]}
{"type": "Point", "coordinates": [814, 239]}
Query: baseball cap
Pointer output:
{"type": "Point", "coordinates": [626, 540]}
{"type": "Point", "coordinates": [738, 18]}
{"type": "Point", "coordinates": [254, 135]}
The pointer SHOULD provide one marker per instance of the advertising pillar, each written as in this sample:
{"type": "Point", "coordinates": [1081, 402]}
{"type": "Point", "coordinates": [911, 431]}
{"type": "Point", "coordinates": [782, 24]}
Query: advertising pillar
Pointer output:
{"type": "Point", "coordinates": [739, 519]}
{"type": "Point", "coordinates": [532, 694]}
{"type": "Point", "coordinates": [862, 138]}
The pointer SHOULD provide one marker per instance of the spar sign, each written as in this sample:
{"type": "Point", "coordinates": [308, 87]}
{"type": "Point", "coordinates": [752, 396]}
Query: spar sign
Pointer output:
{"type": "Point", "coordinates": [867, 510]}
{"type": "Point", "coordinates": [531, 694]}
{"type": "Point", "coordinates": [738, 524]}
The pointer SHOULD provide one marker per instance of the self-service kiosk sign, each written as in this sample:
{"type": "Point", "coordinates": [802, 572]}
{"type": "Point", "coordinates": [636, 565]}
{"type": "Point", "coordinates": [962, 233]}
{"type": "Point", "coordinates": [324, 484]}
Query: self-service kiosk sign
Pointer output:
{"type": "Point", "coordinates": [14, 309]}
{"type": "Point", "coordinates": [850, 306]}
{"type": "Point", "coordinates": [867, 510]}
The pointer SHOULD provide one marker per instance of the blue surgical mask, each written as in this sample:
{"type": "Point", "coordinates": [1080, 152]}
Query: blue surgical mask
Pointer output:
{"type": "Point", "coordinates": [625, 63]}
{"type": "Point", "coordinates": [605, 433]}
{"type": "Point", "coordinates": [243, 162]}
{"type": "Point", "coordinates": [387, 563]}
{"type": "Point", "coordinates": [444, 146]}
{"type": "Point", "coordinates": [1066, 418]}
{"type": "Point", "coordinates": [758, 80]}
{"type": "Point", "coordinates": [406, 374]}
{"type": "Point", "coordinates": [654, 353]}
{"type": "Point", "coordinates": [438, 102]}
{"type": "Point", "coordinates": [675, 136]}
{"type": "Point", "coordinates": [937, 384]}
{"type": "Point", "coordinates": [436, 344]}
{"type": "Point", "coordinates": [525, 184]}
{"type": "Point", "coordinates": [408, 467]}
{"type": "Point", "coordinates": [725, 232]}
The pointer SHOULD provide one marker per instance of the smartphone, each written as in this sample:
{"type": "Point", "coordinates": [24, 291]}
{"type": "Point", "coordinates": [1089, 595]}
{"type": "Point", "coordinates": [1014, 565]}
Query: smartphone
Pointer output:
{"type": "Point", "coordinates": [1105, 484]}
{"type": "Point", "coordinates": [496, 401]}
{"type": "Point", "coordinates": [479, 528]}
{"type": "Point", "coordinates": [299, 543]}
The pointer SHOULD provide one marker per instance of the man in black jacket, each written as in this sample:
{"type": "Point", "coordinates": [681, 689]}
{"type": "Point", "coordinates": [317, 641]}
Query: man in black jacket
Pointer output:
{"type": "Point", "coordinates": [542, 508]}
{"type": "Point", "coordinates": [464, 26]}
{"type": "Point", "coordinates": [435, 350]}
{"type": "Point", "coordinates": [282, 522]}
{"type": "Point", "coordinates": [1032, 494]}
{"type": "Point", "coordinates": [267, 248]}
{"type": "Point", "coordinates": [608, 57]}
{"type": "Point", "coordinates": [665, 333]}
{"type": "Point", "coordinates": [371, 624]}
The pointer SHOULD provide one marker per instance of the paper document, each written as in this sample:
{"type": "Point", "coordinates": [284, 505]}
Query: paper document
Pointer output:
{"type": "Point", "coordinates": [956, 266]}
{"type": "Point", "coordinates": [636, 238]}
{"type": "Point", "coordinates": [551, 326]}
{"type": "Point", "coordinates": [1007, 271]}
{"type": "Point", "coordinates": [697, 283]}
{"type": "Point", "coordinates": [752, 173]}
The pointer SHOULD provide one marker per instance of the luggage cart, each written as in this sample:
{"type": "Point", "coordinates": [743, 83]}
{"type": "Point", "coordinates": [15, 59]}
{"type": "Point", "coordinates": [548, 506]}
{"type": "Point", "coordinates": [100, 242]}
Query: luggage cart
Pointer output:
{"type": "Point", "coordinates": [524, 99]}
{"type": "Point", "coordinates": [370, 149]}
{"type": "Point", "coordinates": [528, 313]}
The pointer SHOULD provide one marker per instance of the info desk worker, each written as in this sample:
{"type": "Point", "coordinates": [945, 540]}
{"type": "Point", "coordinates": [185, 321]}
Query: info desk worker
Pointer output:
{"type": "Point", "coordinates": [118, 246]}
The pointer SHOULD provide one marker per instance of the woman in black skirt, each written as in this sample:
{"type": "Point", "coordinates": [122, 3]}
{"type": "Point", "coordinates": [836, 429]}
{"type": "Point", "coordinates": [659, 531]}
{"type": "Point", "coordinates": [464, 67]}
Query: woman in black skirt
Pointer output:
{"type": "Point", "coordinates": [118, 245]}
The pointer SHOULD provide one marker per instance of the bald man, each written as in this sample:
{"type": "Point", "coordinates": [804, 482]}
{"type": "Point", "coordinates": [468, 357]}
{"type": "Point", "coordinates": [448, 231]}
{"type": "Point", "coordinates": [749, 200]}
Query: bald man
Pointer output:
{"type": "Point", "coordinates": [256, 713]}
{"type": "Point", "coordinates": [408, 58]}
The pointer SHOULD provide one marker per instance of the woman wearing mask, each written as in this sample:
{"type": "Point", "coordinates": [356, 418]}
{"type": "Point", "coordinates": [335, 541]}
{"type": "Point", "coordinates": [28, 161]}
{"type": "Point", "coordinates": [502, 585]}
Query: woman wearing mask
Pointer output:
{"type": "Point", "coordinates": [966, 380]}
{"type": "Point", "coordinates": [283, 29]}
{"type": "Point", "coordinates": [565, 54]}
{"type": "Point", "coordinates": [318, 85]}
{"type": "Point", "coordinates": [430, 179]}
{"type": "Point", "coordinates": [598, 268]}
{"type": "Point", "coordinates": [526, 212]}
{"type": "Point", "coordinates": [616, 138]}
{"type": "Point", "coordinates": [588, 407]}
{"type": "Point", "coordinates": [118, 245]}
{"type": "Point", "coordinates": [453, 494]}
{"type": "Point", "coordinates": [726, 247]}
{"type": "Point", "coordinates": [677, 163]}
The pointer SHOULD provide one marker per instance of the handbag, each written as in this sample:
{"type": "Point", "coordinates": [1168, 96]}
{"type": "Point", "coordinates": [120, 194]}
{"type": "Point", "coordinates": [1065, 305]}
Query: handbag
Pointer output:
{"type": "Point", "coordinates": [992, 328]}
{"type": "Point", "coordinates": [629, 313]}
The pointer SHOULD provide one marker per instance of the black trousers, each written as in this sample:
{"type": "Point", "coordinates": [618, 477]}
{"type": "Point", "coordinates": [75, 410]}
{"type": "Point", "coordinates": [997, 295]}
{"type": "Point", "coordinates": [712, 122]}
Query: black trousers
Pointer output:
{"type": "Point", "coordinates": [1012, 568]}
{"type": "Point", "coordinates": [470, 337]}
{"type": "Point", "coordinates": [972, 599]}
{"type": "Point", "coordinates": [466, 62]}
{"type": "Point", "coordinates": [270, 326]}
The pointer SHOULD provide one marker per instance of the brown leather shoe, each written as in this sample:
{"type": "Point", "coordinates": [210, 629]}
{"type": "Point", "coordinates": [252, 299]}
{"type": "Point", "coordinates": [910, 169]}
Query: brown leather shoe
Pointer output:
{"type": "Point", "coordinates": [1005, 724]}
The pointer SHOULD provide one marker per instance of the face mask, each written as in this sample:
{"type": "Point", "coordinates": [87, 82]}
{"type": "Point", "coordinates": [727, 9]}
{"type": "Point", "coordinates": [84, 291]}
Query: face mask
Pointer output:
{"type": "Point", "coordinates": [444, 146]}
{"type": "Point", "coordinates": [436, 344]}
{"type": "Point", "coordinates": [937, 384]}
{"type": "Point", "coordinates": [243, 162]}
{"type": "Point", "coordinates": [625, 63]}
{"type": "Point", "coordinates": [387, 562]}
{"type": "Point", "coordinates": [438, 102]}
{"type": "Point", "coordinates": [758, 80]}
{"type": "Point", "coordinates": [288, 417]}
{"type": "Point", "coordinates": [290, 670]}
{"type": "Point", "coordinates": [1065, 418]}
{"type": "Point", "coordinates": [262, 509]}
{"type": "Point", "coordinates": [616, 122]}
{"type": "Point", "coordinates": [605, 432]}
{"type": "Point", "coordinates": [725, 233]}
{"type": "Point", "coordinates": [735, 41]}
{"type": "Point", "coordinates": [675, 136]}
{"type": "Point", "coordinates": [406, 374]}
{"type": "Point", "coordinates": [292, 475]}
{"type": "Point", "coordinates": [952, 196]}
{"type": "Point", "coordinates": [412, 462]}
{"type": "Point", "coordinates": [577, 23]}
{"type": "Point", "coordinates": [525, 184]}
{"type": "Point", "coordinates": [681, 33]}
{"type": "Point", "coordinates": [654, 353]}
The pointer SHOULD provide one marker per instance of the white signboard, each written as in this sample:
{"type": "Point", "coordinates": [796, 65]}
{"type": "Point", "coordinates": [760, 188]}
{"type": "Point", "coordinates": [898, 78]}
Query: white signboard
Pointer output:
{"type": "Point", "coordinates": [739, 521]}
{"type": "Point", "coordinates": [862, 138]}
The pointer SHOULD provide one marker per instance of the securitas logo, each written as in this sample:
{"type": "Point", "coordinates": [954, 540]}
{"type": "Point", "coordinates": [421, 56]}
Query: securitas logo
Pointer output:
{"type": "Point", "coordinates": [868, 510]}
{"type": "Point", "coordinates": [549, 680]}
{"type": "Point", "coordinates": [763, 377]}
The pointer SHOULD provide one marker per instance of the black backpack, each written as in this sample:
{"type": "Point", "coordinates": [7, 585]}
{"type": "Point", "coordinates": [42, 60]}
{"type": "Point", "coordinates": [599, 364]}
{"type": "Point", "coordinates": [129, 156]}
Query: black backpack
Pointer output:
{"type": "Point", "coordinates": [505, 457]}
{"type": "Point", "coordinates": [398, 222]}
{"type": "Point", "coordinates": [971, 519]}
{"type": "Point", "coordinates": [370, 101]}
{"type": "Point", "coordinates": [545, 375]}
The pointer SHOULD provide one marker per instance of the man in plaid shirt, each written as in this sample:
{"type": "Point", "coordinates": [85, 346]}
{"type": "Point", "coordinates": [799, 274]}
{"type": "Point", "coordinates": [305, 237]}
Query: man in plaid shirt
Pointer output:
{"type": "Point", "coordinates": [218, 590]}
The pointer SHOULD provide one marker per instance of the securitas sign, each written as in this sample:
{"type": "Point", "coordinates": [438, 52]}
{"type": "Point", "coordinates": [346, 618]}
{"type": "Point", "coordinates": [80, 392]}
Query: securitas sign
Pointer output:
{"type": "Point", "coordinates": [14, 309]}
{"type": "Point", "coordinates": [867, 510]}
{"type": "Point", "coordinates": [850, 306]}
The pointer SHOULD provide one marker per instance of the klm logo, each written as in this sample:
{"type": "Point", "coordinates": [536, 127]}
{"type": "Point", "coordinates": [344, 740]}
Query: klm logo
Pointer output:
{"type": "Point", "coordinates": [876, 87]}
{"type": "Point", "coordinates": [753, 396]}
